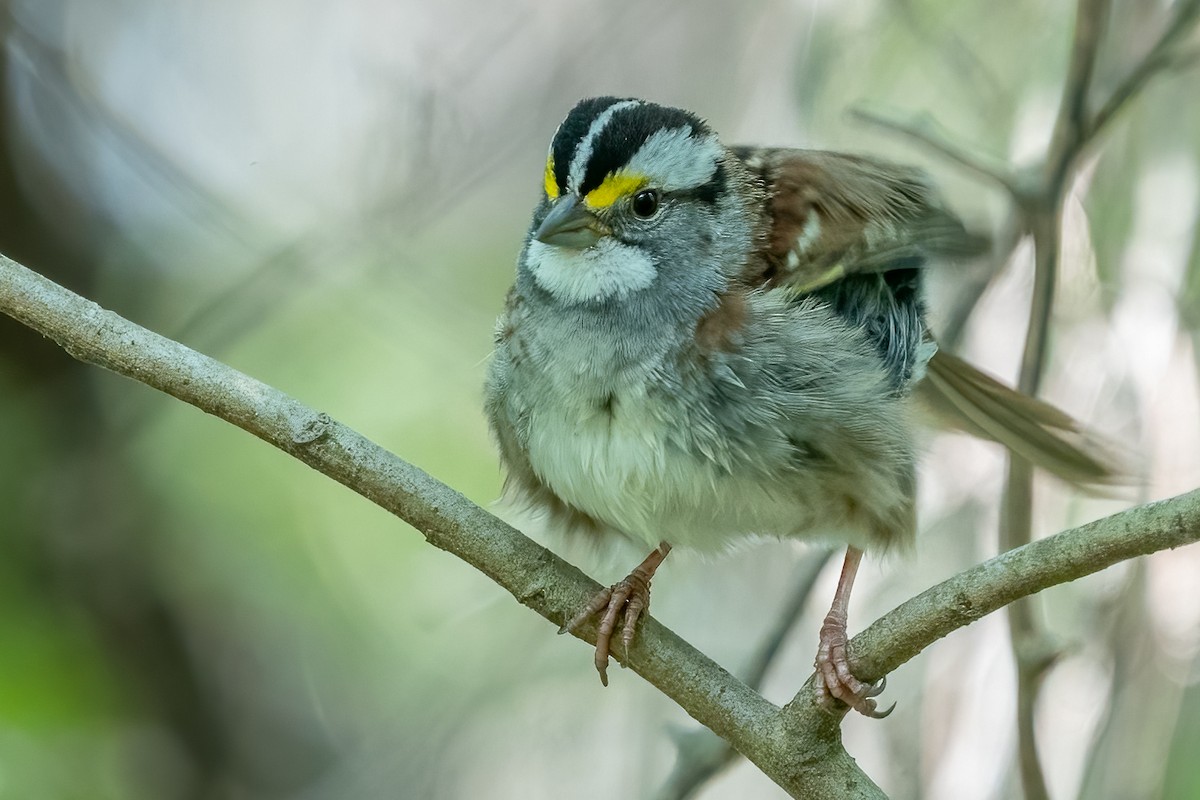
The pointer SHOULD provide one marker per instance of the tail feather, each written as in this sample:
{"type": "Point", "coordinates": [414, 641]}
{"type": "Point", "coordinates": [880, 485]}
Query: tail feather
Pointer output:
{"type": "Point", "coordinates": [960, 396]}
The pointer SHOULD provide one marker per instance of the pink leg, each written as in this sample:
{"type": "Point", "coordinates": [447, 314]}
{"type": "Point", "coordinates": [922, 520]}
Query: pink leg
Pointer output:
{"type": "Point", "coordinates": [834, 679]}
{"type": "Point", "coordinates": [633, 595]}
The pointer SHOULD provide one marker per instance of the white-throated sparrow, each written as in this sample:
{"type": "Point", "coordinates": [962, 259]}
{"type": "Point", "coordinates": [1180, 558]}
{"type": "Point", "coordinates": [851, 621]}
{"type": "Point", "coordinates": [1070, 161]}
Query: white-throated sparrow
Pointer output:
{"type": "Point", "coordinates": [705, 343]}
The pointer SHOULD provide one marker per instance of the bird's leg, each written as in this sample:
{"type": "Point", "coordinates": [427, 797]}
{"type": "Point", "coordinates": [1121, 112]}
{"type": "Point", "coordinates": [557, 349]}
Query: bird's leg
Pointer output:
{"type": "Point", "coordinates": [633, 595]}
{"type": "Point", "coordinates": [834, 680]}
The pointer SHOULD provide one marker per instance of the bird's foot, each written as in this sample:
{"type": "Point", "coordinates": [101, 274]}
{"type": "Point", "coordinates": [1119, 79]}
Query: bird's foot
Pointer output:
{"type": "Point", "coordinates": [835, 682]}
{"type": "Point", "coordinates": [630, 596]}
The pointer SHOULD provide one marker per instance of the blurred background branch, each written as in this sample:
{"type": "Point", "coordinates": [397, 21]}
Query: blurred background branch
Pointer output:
{"type": "Point", "coordinates": [1040, 201]}
{"type": "Point", "coordinates": [925, 131]}
{"type": "Point", "coordinates": [702, 754]}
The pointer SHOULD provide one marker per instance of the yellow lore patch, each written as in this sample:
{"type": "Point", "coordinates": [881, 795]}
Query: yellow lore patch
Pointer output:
{"type": "Point", "coordinates": [551, 184]}
{"type": "Point", "coordinates": [614, 187]}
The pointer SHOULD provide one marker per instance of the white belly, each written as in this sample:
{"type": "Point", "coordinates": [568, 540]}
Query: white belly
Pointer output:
{"type": "Point", "coordinates": [623, 471]}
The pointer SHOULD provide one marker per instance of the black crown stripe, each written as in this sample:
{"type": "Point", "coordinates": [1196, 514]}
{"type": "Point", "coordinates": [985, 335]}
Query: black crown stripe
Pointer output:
{"type": "Point", "coordinates": [625, 134]}
{"type": "Point", "coordinates": [571, 132]}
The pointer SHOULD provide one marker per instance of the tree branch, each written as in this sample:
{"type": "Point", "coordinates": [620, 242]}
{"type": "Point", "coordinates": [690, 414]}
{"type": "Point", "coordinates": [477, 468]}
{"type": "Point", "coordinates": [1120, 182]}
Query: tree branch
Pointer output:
{"type": "Point", "coordinates": [799, 748]}
{"type": "Point", "coordinates": [906, 630]}
{"type": "Point", "coordinates": [447, 519]}
{"type": "Point", "coordinates": [809, 763]}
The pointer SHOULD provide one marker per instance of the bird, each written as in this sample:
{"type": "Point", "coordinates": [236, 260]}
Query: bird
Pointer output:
{"type": "Point", "coordinates": [707, 343]}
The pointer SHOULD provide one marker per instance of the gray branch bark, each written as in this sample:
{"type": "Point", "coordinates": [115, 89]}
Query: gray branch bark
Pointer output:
{"type": "Point", "coordinates": [799, 746]}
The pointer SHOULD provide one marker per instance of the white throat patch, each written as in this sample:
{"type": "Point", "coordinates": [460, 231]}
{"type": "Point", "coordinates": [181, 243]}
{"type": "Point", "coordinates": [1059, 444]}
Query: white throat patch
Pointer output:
{"type": "Point", "coordinates": [606, 269]}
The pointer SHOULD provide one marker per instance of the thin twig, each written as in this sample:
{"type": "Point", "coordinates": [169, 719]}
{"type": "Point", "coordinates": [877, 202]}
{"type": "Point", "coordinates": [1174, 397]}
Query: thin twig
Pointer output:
{"type": "Point", "coordinates": [1044, 207]}
{"type": "Point", "coordinates": [962, 305]}
{"type": "Point", "coordinates": [1072, 121]}
{"type": "Point", "coordinates": [756, 667]}
{"type": "Point", "coordinates": [902, 633]}
{"type": "Point", "coordinates": [1161, 57]}
{"type": "Point", "coordinates": [1033, 652]}
{"type": "Point", "coordinates": [981, 85]}
{"type": "Point", "coordinates": [924, 130]}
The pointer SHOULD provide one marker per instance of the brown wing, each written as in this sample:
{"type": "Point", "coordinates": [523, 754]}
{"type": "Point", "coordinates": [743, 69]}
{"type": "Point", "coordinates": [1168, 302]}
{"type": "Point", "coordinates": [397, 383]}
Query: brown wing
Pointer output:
{"type": "Point", "coordinates": [834, 214]}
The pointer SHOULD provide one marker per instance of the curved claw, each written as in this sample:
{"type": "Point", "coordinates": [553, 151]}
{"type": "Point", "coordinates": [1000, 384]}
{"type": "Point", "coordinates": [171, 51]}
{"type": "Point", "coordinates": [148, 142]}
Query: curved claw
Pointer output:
{"type": "Point", "coordinates": [619, 596]}
{"type": "Point", "coordinates": [830, 694]}
{"type": "Point", "coordinates": [834, 680]}
{"type": "Point", "coordinates": [631, 594]}
{"type": "Point", "coordinates": [875, 714]}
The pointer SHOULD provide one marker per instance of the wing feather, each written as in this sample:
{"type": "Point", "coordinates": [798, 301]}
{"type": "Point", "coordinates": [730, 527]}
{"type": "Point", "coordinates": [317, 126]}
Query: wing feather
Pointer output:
{"type": "Point", "coordinates": [964, 398]}
{"type": "Point", "coordinates": [835, 215]}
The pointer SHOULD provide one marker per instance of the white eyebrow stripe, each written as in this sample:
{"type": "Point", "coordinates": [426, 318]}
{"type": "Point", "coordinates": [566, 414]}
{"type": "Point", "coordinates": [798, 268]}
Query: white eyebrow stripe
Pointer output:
{"type": "Point", "coordinates": [583, 153]}
{"type": "Point", "coordinates": [676, 159]}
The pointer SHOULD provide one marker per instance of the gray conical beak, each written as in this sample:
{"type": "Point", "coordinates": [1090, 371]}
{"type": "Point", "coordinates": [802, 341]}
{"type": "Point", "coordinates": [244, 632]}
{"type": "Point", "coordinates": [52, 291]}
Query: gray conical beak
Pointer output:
{"type": "Point", "coordinates": [571, 224]}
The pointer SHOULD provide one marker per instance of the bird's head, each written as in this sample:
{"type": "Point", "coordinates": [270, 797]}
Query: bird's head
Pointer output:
{"type": "Point", "coordinates": [634, 194]}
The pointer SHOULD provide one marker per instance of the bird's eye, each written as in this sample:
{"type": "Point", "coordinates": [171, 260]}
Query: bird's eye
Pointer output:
{"type": "Point", "coordinates": [645, 203]}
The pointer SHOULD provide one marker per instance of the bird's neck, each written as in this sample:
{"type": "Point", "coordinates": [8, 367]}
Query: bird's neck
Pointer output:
{"type": "Point", "coordinates": [606, 345]}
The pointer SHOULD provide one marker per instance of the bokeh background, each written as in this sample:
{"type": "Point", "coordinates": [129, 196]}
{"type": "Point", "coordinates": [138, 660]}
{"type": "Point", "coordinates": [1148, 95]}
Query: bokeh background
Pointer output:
{"type": "Point", "coordinates": [329, 195]}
